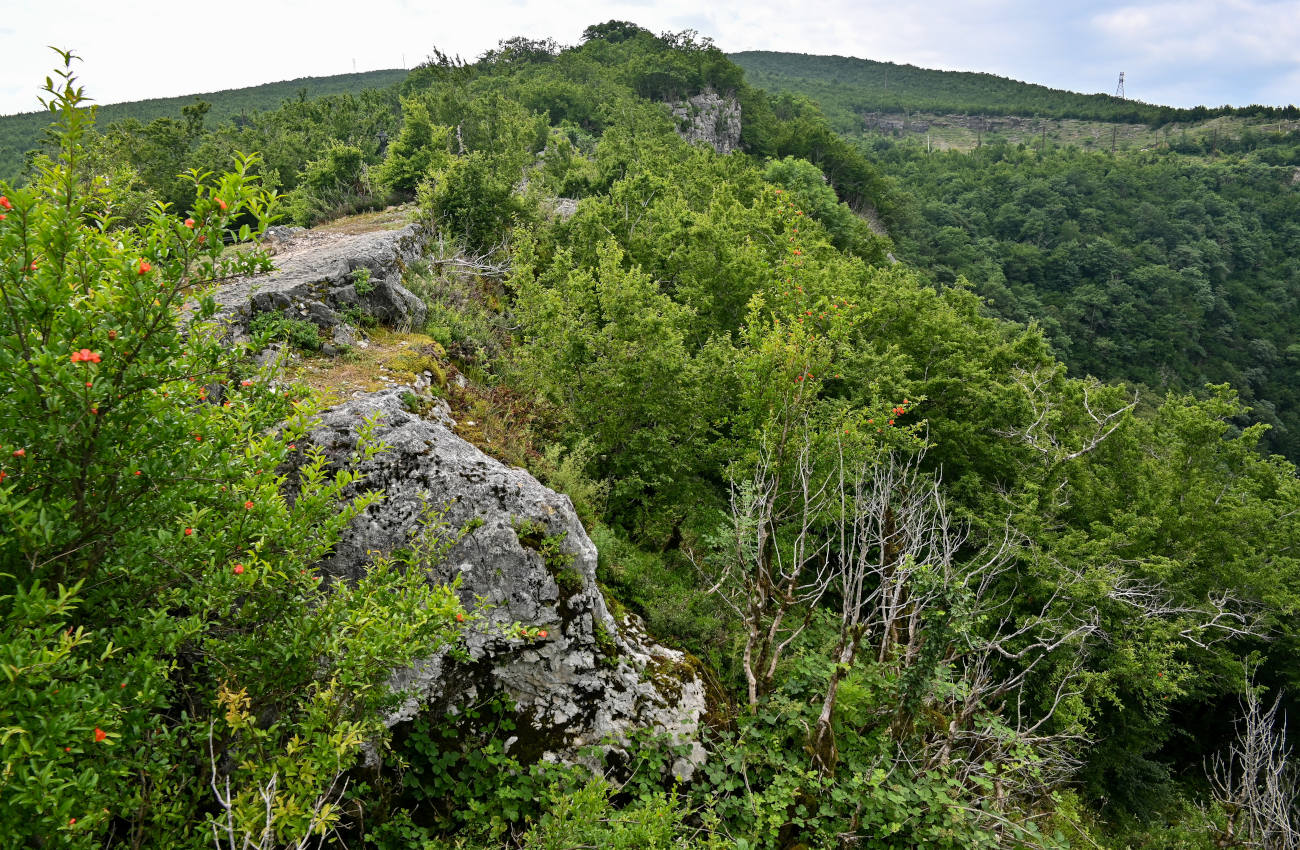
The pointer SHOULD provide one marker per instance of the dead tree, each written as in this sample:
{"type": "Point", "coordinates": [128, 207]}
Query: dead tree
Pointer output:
{"type": "Point", "coordinates": [773, 565]}
{"type": "Point", "coordinates": [891, 528]}
{"type": "Point", "coordinates": [1256, 782]}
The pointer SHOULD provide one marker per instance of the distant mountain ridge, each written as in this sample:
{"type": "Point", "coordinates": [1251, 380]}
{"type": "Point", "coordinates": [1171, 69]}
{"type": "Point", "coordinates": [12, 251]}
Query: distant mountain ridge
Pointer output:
{"type": "Point", "coordinates": [21, 132]}
{"type": "Point", "coordinates": [847, 87]}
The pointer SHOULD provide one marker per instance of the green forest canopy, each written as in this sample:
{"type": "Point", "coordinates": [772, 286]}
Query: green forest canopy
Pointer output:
{"type": "Point", "coordinates": [847, 87]}
{"type": "Point", "coordinates": [23, 132]}
{"type": "Point", "coordinates": [703, 347]}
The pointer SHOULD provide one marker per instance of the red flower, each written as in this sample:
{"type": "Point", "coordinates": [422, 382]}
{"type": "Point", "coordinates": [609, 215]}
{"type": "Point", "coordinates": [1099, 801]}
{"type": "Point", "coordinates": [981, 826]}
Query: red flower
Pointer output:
{"type": "Point", "coordinates": [2, 216]}
{"type": "Point", "coordinates": [188, 532]}
{"type": "Point", "coordinates": [542, 633]}
{"type": "Point", "coordinates": [72, 821]}
{"type": "Point", "coordinates": [144, 267]}
{"type": "Point", "coordinates": [100, 734]}
{"type": "Point", "coordinates": [460, 618]}
{"type": "Point", "coordinates": [245, 383]}
{"type": "Point", "coordinates": [137, 472]}
{"type": "Point", "coordinates": [189, 222]}
{"type": "Point", "coordinates": [85, 355]}
{"type": "Point", "coordinates": [4, 202]}
{"type": "Point", "coordinates": [248, 506]}
{"type": "Point", "coordinates": [20, 452]}
{"type": "Point", "coordinates": [239, 569]}
{"type": "Point", "coordinates": [221, 204]}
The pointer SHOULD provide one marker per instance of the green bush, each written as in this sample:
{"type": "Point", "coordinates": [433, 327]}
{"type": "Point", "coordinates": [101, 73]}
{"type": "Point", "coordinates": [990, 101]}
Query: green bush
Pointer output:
{"type": "Point", "coordinates": [465, 779]}
{"type": "Point", "coordinates": [270, 326]}
{"type": "Point", "coordinates": [170, 653]}
{"type": "Point", "coordinates": [337, 184]}
{"type": "Point", "coordinates": [473, 199]}
{"type": "Point", "coordinates": [564, 471]}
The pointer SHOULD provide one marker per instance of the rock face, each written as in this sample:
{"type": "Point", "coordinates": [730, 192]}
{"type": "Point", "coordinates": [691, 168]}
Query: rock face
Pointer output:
{"type": "Point", "coordinates": [321, 275]}
{"type": "Point", "coordinates": [528, 560]}
{"type": "Point", "coordinates": [710, 118]}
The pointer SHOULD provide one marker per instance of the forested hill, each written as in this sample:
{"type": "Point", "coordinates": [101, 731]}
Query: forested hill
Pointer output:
{"type": "Point", "coordinates": [846, 87]}
{"type": "Point", "coordinates": [1162, 256]}
{"type": "Point", "coordinates": [20, 133]}
{"type": "Point", "coordinates": [940, 588]}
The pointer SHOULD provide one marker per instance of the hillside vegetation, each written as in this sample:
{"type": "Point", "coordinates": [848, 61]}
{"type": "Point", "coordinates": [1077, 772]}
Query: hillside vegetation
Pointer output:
{"type": "Point", "coordinates": [24, 132]}
{"type": "Point", "coordinates": [847, 88]}
{"type": "Point", "coordinates": [947, 592]}
{"type": "Point", "coordinates": [1159, 253]}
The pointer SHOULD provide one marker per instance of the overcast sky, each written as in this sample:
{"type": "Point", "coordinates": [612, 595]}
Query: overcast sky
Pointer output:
{"type": "Point", "coordinates": [1176, 52]}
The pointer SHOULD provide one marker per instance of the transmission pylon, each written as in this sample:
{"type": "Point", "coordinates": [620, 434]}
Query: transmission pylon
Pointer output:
{"type": "Point", "coordinates": [1119, 87]}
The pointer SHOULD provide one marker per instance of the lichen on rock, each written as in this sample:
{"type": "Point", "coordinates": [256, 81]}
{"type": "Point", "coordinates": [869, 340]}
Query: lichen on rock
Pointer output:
{"type": "Point", "coordinates": [592, 679]}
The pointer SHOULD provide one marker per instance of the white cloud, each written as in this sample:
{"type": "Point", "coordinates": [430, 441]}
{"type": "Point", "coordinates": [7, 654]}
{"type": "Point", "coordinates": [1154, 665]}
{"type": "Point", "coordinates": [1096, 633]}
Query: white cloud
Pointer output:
{"type": "Point", "coordinates": [154, 48]}
{"type": "Point", "coordinates": [1237, 32]}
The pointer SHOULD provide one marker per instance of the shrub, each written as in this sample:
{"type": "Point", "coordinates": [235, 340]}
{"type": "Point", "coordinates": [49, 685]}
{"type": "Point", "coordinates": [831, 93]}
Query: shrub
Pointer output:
{"type": "Point", "coordinates": [473, 199]}
{"type": "Point", "coordinates": [337, 184]}
{"type": "Point", "coordinates": [163, 632]}
{"type": "Point", "coordinates": [300, 333]}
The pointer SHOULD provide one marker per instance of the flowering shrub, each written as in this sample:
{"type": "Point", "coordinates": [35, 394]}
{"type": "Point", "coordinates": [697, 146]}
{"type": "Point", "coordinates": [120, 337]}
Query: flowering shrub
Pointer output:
{"type": "Point", "coordinates": [169, 653]}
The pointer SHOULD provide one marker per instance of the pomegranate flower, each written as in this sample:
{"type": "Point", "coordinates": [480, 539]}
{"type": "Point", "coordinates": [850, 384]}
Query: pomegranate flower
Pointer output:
{"type": "Point", "coordinates": [85, 355]}
{"type": "Point", "coordinates": [4, 202]}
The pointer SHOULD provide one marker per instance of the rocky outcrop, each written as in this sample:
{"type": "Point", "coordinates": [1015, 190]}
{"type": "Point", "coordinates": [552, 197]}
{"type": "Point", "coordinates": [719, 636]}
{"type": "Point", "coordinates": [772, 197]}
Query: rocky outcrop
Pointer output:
{"type": "Point", "coordinates": [710, 118]}
{"type": "Point", "coordinates": [322, 276]}
{"type": "Point", "coordinates": [525, 559]}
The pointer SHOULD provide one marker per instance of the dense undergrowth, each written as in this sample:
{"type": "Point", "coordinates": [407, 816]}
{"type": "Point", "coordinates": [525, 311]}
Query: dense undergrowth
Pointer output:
{"type": "Point", "coordinates": [945, 593]}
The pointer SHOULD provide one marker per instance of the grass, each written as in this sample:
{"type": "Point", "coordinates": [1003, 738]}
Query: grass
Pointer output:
{"type": "Point", "coordinates": [389, 218]}
{"type": "Point", "coordinates": [390, 355]}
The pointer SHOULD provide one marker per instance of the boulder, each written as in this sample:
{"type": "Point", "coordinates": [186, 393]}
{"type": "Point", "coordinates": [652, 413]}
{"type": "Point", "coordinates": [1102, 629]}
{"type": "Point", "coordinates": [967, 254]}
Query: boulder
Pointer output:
{"type": "Point", "coordinates": [525, 559]}
{"type": "Point", "coordinates": [322, 274]}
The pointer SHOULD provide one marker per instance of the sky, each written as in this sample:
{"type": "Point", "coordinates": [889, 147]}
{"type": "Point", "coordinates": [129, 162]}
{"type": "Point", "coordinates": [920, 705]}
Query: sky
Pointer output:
{"type": "Point", "coordinates": [1173, 52]}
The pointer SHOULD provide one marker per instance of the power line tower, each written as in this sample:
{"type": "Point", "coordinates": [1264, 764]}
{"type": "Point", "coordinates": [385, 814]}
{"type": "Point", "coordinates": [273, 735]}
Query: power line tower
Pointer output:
{"type": "Point", "coordinates": [1119, 87]}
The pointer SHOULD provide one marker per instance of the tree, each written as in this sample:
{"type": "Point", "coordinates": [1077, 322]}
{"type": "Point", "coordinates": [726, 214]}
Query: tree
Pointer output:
{"type": "Point", "coordinates": [163, 629]}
